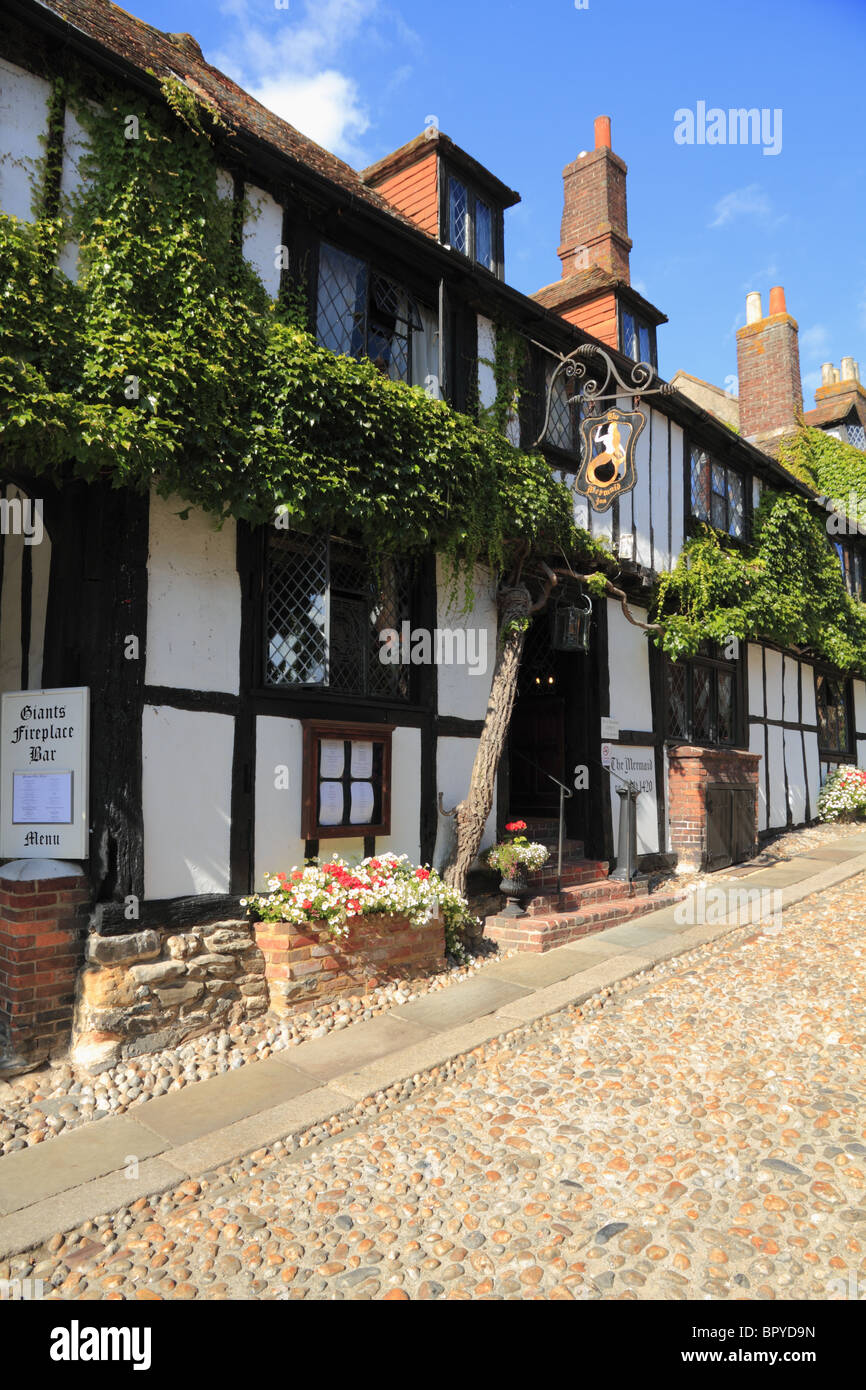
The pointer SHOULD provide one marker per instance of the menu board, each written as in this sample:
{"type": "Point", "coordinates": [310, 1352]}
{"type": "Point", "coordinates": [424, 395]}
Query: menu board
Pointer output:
{"type": "Point", "coordinates": [44, 773]}
{"type": "Point", "coordinates": [346, 779]}
{"type": "Point", "coordinates": [41, 798]}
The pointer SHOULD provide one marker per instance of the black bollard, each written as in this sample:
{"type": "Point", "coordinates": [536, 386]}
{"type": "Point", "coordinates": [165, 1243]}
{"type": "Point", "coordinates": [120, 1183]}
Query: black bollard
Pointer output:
{"type": "Point", "coordinates": [626, 859]}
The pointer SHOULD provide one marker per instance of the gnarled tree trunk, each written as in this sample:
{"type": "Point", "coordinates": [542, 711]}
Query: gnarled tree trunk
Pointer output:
{"type": "Point", "coordinates": [515, 608]}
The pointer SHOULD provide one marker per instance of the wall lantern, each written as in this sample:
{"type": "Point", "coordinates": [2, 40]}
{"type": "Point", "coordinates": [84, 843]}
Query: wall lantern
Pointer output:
{"type": "Point", "coordinates": [571, 626]}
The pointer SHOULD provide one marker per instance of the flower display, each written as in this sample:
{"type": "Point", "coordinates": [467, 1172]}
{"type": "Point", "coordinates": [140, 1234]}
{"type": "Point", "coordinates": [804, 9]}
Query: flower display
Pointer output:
{"type": "Point", "coordinates": [843, 794]}
{"type": "Point", "coordinates": [517, 850]}
{"type": "Point", "coordinates": [335, 893]}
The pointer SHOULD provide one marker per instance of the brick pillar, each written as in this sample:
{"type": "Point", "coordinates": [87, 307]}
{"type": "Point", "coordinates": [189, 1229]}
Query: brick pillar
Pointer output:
{"type": "Point", "coordinates": [691, 769]}
{"type": "Point", "coordinates": [594, 228]}
{"type": "Point", "coordinates": [768, 365]}
{"type": "Point", "coordinates": [42, 903]}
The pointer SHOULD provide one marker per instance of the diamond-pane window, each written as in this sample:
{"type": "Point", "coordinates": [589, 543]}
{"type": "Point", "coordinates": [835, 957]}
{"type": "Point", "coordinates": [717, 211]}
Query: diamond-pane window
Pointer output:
{"type": "Point", "coordinates": [562, 423]}
{"type": "Point", "coordinates": [725, 728]}
{"type": "Point", "coordinates": [700, 485]}
{"type": "Point", "coordinates": [458, 218]}
{"type": "Point", "coordinates": [362, 314]}
{"type": "Point", "coordinates": [629, 337]}
{"type": "Point", "coordinates": [832, 703]}
{"type": "Point", "coordinates": [678, 723]}
{"type": "Point", "coordinates": [857, 436]}
{"type": "Point", "coordinates": [701, 704]}
{"type": "Point", "coordinates": [718, 494]}
{"type": "Point", "coordinates": [325, 613]}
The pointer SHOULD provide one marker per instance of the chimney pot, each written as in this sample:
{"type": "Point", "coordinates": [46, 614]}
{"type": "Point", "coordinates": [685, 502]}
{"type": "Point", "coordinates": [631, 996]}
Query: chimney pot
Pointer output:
{"type": "Point", "coordinates": [754, 312]}
{"type": "Point", "coordinates": [777, 301]}
{"type": "Point", "coordinates": [848, 373]}
{"type": "Point", "coordinates": [602, 133]}
{"type": "Point", "coordinates": [826, 373]}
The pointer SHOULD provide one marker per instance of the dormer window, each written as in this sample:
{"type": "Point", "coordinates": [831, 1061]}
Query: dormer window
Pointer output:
{"type": "Point", "coordinates": [472, 224]}
{"type": "Point", "coordinates": [637, 338]}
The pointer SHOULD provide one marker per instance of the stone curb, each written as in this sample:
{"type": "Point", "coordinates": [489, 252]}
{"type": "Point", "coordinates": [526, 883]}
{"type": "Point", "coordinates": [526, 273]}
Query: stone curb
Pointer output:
{"type": "Point", "coordinates": [167, 1167]}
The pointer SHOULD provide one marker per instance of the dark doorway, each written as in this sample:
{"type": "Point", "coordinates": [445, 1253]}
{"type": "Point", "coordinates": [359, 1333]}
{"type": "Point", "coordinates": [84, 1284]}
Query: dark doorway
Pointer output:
{"type": "Point", "coordinates": [549, 730]}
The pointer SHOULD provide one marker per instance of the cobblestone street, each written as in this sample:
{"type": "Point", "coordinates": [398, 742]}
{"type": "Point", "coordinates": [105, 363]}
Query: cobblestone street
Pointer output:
{"type": "Point", "coordinates": [695, 1136]}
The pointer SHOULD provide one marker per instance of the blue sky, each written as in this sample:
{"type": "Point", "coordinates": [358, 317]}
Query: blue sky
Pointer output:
{"type": "Point", "coordinates": [518, 84]}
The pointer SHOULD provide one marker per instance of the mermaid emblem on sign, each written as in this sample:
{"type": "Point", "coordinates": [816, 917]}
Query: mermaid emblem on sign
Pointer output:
{"type": "Point", "coordinates": [607, 469]}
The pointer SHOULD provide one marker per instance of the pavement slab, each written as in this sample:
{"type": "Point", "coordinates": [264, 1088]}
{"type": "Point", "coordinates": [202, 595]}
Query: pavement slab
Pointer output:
{"type": "Point", "coordinates": [465, 1002]}
{"type": "Point", "coordinates": [208, 1105]}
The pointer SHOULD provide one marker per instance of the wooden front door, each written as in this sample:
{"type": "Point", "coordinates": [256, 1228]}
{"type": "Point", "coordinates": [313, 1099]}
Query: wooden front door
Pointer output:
{"type": "Point", "coordinates": [537, 733]}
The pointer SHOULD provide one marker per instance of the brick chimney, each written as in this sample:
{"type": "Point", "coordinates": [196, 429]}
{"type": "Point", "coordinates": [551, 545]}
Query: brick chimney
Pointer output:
{"type": "Point", "coordinates": [768, 366]}
{"type": "Point", "coordinates": [594, 218]}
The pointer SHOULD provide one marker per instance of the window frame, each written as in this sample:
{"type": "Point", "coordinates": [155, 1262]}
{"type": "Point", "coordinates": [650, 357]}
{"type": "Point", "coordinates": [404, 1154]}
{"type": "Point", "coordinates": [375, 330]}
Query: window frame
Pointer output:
{"type": "Point", "coordinates": [320, 690]}
{"type": "Point", "coordinates": [474, 194]}
{"type": "Point", "coordinates": [314, 730]}
{"type": "Point", "coordinates": [639, 321]}
{"type": "Point", "coordinates": [567, 460]}
{"type": "Point", "coordinates": [413, 323]}
{"type": "Point", "coordinates": [716, 666]}
{"type": "Point", "coordinates": [746, 480]}
{"type": "Point", "coordinates": [825, 752]}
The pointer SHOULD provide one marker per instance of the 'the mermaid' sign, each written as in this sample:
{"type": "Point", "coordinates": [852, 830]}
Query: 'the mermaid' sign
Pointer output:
{"type": "Point", "coordinates": [607, 468]}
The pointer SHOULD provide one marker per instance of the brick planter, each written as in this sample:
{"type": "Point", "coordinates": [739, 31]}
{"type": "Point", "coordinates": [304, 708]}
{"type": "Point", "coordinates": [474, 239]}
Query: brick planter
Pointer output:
{"type": "Point", "coordinates": [691, 772]}
{"type": "Point", "coordinates": [41, 932]}
{"type": "Point", "coordinates": [304, 964]}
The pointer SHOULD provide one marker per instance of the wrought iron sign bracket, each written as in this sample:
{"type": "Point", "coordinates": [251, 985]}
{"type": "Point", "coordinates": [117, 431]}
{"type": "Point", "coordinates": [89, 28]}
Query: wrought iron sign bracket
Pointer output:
{"type": "Point", "coordinates": [594, 388]}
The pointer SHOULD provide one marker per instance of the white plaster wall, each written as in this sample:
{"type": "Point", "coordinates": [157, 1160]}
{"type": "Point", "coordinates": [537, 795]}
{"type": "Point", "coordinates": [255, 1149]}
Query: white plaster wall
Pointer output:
{"type": "Point", "coordinates": [581, 512]}
{"type": "Point", "coordinates": [756, 491]}
{"type": "Point", "coordinates": [774, 684]}
{"type": "Point", "coordinates": [23, 119]}
{"type": "Point", "coordinates": [40, 559]}
{"type": "Point", "coordinates": [186, 795]}
{"type": "Point", "coordinates": [659, 490]}
{"type": "Point", "coordinates": [464, 689]}
{"type": "Point", "coordinates": [859, 706]}
{"type": "Point", "coordinates": [278, 843]}
{"type": "Point", "coordinates": [677, 498]}
{"type": "Point", "coordinates": [351, 849]}
{"type": "Point", "coordinates": [628, 660]}
{"type": "Point", "coordinates": [810, 710]}
{"type": "Point", "coordinates": [405, 837]}
{"type": "Point", "coordinates": [263, 236]}
{"type": "Point", "coordinates": [641, 496]}
{"type": "Point", "coordinates": [486, 349]}
{"type": "Point", "coordinates": [796, 776]}
{"type": "Point", "coordinates": [193, 600]}
{"type": "Point", "coordinates": [813, 770]}
{"type": "Point", "coordinates": [861, 752]}
{"type": "Point", "coordinates": [756, 745]}
{"type": "Point", "coordinates": [790, 695]}
{"type": "Point", "coordinates": [756, 680]}
{"type": "Point", "coordinates": [454, 759]}
{"type": "Point", "coordinates": [778, 808]}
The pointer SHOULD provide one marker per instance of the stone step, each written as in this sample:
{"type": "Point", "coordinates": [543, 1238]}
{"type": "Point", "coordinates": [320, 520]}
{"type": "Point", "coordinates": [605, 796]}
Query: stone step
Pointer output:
{"type": "Point", "coordinates": [544, 880]}
{"type": "Point", "coordinates": [543, 933]}
{"type": "Point", "coordinates": [581, 895]}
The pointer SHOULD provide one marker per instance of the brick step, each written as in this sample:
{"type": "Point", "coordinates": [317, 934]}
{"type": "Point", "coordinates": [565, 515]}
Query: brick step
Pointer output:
{"type": "Point", "coordinates": [543, 933]}
{"type": "Point", "coordinates": [580, 895]}
{"type": "Point", "coordinates": [544, 880]}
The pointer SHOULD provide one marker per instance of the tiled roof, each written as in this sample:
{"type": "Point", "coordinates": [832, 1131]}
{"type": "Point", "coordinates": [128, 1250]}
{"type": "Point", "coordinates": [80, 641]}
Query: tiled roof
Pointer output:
{"type": "Point", "coordinates": [583, 284]}
{"type": "Point", "coordinates": [151, 51]}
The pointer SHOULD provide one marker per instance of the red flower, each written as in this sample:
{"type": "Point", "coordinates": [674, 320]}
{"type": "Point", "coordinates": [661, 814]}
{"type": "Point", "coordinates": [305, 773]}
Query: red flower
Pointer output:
{"type": "Point", "coordinates": [516, 825]}
{"type": "Point", "coordinates": [306, 904]}
{"type": "Point", "coordinates": [281, 877]}
{"type": "Point", "coordinates": [295, 876]}
{"type": "Point", "coordinates": [354, 906]}
{"type": "Point", "coordinates": [422, 874]}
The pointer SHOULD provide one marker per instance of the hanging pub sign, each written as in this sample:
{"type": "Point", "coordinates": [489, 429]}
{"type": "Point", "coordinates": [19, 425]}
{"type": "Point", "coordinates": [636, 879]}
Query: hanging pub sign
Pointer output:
{"type": "Point", "coordinates": [608, 445]}
{"type": "Point", "coordinates": [44, 742]}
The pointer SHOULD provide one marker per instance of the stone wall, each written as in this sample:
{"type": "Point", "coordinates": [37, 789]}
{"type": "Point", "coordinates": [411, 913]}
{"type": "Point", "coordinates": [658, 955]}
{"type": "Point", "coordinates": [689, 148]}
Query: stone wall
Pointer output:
{"type": "Point", "coordinates": [152, 989]}
{"type": "Point", "coordinates": [304, 964]}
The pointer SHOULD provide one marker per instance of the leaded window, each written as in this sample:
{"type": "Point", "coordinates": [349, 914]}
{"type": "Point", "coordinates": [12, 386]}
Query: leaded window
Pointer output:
{"type": "Point", "coordinates": [833, 706]}
{"type": "Point", "coordinates": [362, 313]}
{"type": "Point", "coordinates": [717, 494]}
{"type": "Point", "coordinates": [326, 611]}
{"type": "Point", "coordinates": [563, 418]}
{"type": "Point", "coordinates": [857, 436]}
{"type": "Point", "coordinates": [636, 338]}
{"type": "Point", "coordinates": [473, 224]}
{"type": "Point", "coordinates": [701, 701]}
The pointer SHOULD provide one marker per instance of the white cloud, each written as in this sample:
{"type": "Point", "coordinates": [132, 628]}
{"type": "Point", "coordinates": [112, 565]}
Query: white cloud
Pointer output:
{"type": "Point", "coordinates": [293, 65]}
{"type": "Point", "coordinates": [750, 201]}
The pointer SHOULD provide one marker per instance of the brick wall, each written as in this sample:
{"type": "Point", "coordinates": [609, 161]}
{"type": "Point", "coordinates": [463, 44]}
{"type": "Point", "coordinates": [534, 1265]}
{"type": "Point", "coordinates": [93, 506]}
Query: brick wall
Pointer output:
{"type": "Point", "coordinates": [690, 771]}
{"type": "Point", "coordinates": [303, 964]}
{"type": "Point", "coordinates": [41, 934]}
{"type": "Point", "coordinates": [594, 214]}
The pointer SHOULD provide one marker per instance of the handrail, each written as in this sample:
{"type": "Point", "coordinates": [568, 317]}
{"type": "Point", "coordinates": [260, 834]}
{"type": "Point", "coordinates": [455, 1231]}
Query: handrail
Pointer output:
{"type": "Point", "coordinates": [539, 768]}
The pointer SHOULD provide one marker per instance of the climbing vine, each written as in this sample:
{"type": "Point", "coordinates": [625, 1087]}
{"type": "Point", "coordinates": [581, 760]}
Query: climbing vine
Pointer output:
{"type": "Point", "coordinates": [508, 366]}
{"type": "Point", "coordinates": [786, 586]}
{"type": "Point", "coordinates": [836, 470]}
{"type": "Point", "coordinates": [166, 365]}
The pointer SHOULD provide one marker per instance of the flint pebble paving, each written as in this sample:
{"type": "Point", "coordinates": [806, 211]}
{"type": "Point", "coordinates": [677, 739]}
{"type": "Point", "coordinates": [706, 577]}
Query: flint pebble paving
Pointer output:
{"type": "Point", "coordinates": [696, 1135]}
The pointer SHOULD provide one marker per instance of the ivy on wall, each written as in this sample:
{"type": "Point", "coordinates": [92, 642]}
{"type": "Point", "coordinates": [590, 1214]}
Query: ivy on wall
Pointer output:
{"type": "Point", "coordinates": [165, 364]}
{"type": "Point", "coordinates": [786, 586]}
{"type": "Point", "coordinates": [836, 470]}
